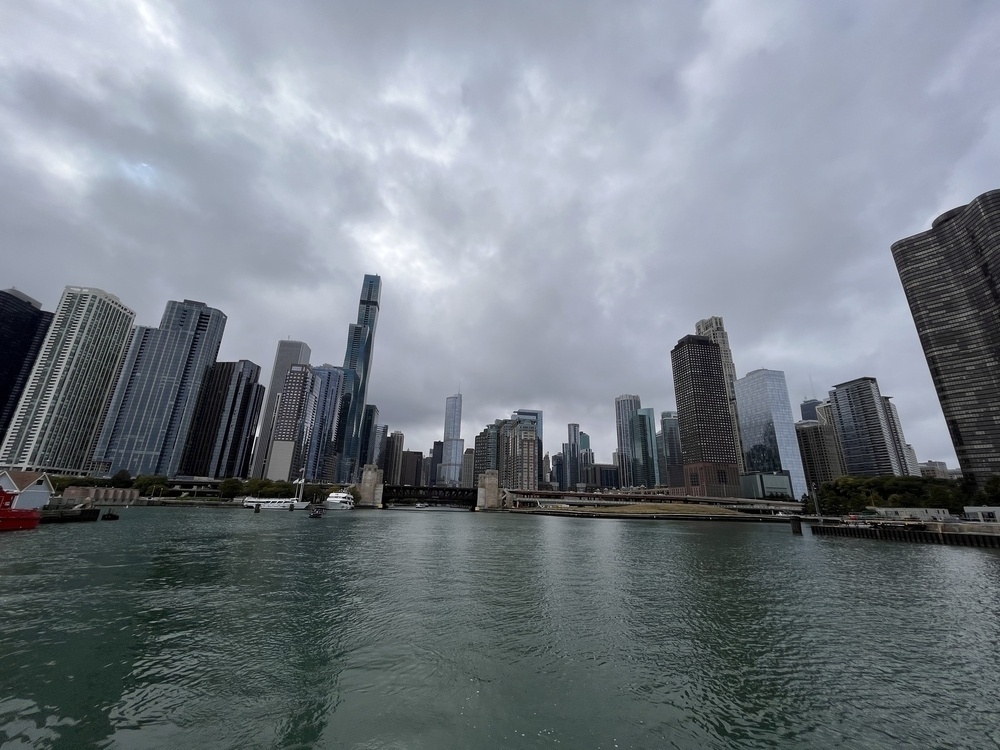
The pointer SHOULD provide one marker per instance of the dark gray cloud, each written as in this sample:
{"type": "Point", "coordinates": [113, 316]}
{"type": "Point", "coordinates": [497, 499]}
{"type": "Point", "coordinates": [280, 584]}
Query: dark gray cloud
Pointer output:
{"type": "Point", "coordinates": [553, 193]}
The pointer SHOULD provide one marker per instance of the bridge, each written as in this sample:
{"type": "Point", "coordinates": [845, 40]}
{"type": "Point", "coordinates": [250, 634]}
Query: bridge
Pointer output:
{"type": "Point", "coordinates": [488, 496]}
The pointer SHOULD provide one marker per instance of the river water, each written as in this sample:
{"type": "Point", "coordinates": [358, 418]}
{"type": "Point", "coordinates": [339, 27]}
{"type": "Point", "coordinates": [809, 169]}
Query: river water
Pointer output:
{"type": "Point", "coordinates": [201, 628]}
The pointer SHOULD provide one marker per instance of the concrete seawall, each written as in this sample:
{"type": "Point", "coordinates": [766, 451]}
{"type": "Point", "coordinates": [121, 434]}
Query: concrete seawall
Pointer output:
{"type": "Point", "coordinates": [903, 534]}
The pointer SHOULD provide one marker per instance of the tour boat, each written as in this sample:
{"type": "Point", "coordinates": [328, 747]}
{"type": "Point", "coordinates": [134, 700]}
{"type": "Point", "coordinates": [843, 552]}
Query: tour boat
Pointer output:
{"type": "Point", "coordinates": [275, 503]}
{"type": "Point", "coordinates": [16, 519]}
{"type": "Point", "coordinates": [339, 501]}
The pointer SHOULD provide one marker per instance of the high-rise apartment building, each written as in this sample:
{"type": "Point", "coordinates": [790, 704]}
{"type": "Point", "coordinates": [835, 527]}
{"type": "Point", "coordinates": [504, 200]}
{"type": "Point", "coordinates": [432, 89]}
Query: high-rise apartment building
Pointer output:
{"type": "Point", "coordinates": [392, 468]}
{"type": "Point", "coordinates": [821, 459]}
{"type": "Point", "coordinates": [357, 367]}
{"type": "Point", "coordinates": [950, 276]}
{"type": "Point", "coordinates": [220, 440]}
{"type": "Point", "coordinates": [535, 416]}
{"type": "Point", "coordinates": [571, 458]}
{"type": "Point", "coordinates": [154, 402]}
{"type": "Point", "coordinates": [510, 446]}
{"type": "Point", "coordinates": [808, 409]}
{"type": "Point", "coordinates": [369, 423]}
{"type": "Point", "coordinates": [294, 423]}
{"type": "Point", "coordinates": [453, 448]}
{"type": "Point", "coordinates": [288, 353]}
{"type": "Point", "coordinates": [715, 329]}
{"type": "Point", "coordinates": [705, 422]}
{"type": "Point", "coordinates": [626, 406]}
{"type": "Point", "coordinates": [767, 428]}
{"type": "Point", "coordinates": [58, 416]}
{"type": "Point", "coordinates": [468, 468]}
{"type": "Point", "coordinates": [23, 325]}
{"type": "Point", "coordinates": [868, 439]}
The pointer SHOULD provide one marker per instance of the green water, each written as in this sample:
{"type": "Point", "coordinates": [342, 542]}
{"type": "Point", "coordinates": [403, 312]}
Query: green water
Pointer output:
{"type": "Point", "coordinates": [430, 629]}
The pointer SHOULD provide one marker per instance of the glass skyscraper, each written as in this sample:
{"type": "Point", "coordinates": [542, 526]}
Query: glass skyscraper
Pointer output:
{"type": "Point", "coordinates": [951, 277]}
{"type": "Point", "coordinates": [453, 448]}
{"type": "Point", "coordinates": [869, 439]}
{"type": "Point", "coordinates": [357, 368]}
{"type": "Point", "coordinates": [626, 406]}
{"type": "Point", "coordinates": [23, 325]}
{"type": "Point", "coordinates": [288, 353]}
{"type": "Point", "coordinates": [767, 428]}
{"type": "Point", "coordinates": [154, 402]}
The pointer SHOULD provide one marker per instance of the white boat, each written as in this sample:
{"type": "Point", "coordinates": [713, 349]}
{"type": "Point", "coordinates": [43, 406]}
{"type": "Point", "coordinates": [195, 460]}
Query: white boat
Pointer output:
{"type": "Point", "coordinates": [275, 503]}
{"type": "Point", "coordinates": [339, 501]}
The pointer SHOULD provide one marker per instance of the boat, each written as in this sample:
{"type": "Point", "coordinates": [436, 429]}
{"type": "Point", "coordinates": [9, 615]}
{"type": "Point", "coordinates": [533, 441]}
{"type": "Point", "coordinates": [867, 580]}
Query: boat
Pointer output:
{"type": "Point", "coordinates": [109, 515]}
{"type": "Point", "coordinates": [316, 511]}
{"type": "Point", "coordinates": [16, 519]}
{"type": "Point", "coordinates": [422, 505]}
{"type": "Point", "coordinates": [280, 503]}
{"type": "Point", "coordinates": [275, 503]}
{"type": "Point", "coordinates": [339, 501]}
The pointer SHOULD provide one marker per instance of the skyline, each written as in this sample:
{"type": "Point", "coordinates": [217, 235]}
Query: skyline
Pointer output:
{"type": "Point", "coordinates": [534, 185]}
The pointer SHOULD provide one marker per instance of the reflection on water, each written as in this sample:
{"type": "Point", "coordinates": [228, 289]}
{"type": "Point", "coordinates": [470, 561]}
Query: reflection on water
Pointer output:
{"type": "Point", "coordinates": [225, 629]}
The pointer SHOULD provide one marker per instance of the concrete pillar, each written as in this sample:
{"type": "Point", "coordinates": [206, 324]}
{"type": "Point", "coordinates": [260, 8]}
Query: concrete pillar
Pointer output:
{"type": "Point", "coordinates": [488, 494]}
{"type": "Point", "coordinates": [370, 489]}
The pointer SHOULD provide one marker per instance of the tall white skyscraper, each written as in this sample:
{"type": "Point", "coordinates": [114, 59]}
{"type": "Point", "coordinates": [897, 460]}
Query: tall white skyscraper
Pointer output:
{"type": "Point", "coordinates": [450, 473]}
{"type": "Point", "coordinates": [287, 354]}
{"type": "Point", "coordinates": [714, 329]}
{"type": "Point", "coordinates": [57, 420]}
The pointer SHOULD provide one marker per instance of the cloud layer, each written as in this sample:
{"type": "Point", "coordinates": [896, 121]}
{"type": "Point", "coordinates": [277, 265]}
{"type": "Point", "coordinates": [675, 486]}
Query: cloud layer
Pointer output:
{"type": "Point", "coordinates": [553, 193]}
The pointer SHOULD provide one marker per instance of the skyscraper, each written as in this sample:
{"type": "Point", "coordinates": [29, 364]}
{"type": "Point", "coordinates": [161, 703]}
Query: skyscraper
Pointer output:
{"type": "Point", "coordinates": [673, 459]}
{"type": "Point", "coordinates": [715, 330]}
{"type": "Point", "coordinates": [221, 436]}
{"type": "Point", "coordinates": [808, 408]}
{"type": "Point", "coordinates": [450, 472]}
{"type": "Point", "coordinates": [821, 459]}
{"type": "Point", "coordinates": [23, 325]}
{"type": "Point", "coordinates": [645, 470]}
{"type": "Point", "coordinates": [357, 367]}
{"type": "Point", "coordinates": [626, 407]}
{"type": "Point", "coordinates": [705, 423]}
{"type": "Point", "coordinates": [865, 431]}
{"type": "Point", "coordinates": [951, 277]}
{"type": "Point", "coordinates": [392, 467]}
{"type": "Point", "coordinates": [294, 423]}
{"type": "Point", "coordinates": [767, 428]}
{"type": "Point", "coordinates": [571, 458]}
{"type": "Point", "coordinates": [56, 423]}
{"type": "Point", "coordinates": [322, 460]}
{"type": "Point", "coordinates": [288, 353]}
{"type": "Point", "coordinates": [154, 402]}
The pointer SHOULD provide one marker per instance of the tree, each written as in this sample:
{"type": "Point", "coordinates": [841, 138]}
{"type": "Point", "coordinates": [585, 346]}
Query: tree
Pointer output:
{"type": "Point", "coordinates": [121, 480]}
{"type": "Point", "coordinates": [230, 488]}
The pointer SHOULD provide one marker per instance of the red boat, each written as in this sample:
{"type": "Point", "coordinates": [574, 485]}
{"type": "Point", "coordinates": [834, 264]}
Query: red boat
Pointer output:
{"type": "Point", "coordinates": [16, 519]}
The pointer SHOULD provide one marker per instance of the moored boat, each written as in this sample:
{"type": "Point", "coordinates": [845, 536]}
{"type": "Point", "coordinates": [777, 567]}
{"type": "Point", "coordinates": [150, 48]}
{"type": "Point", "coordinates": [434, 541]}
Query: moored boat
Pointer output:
{"type": "Point", "coordinates": [16, 519]}
{"type": "Point", "coordinates": [339, 501]}
{"type": "Point", "coordinates": [275, 503]}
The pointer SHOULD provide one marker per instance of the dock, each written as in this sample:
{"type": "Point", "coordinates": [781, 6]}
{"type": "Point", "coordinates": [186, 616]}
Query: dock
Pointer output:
{"type": "Point", "coordinates": [960, 535]}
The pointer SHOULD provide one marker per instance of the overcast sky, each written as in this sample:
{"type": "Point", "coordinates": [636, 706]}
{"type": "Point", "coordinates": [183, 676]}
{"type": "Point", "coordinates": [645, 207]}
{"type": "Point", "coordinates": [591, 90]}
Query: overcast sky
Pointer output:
{"type": "Point", "coordinates": [552, 192]}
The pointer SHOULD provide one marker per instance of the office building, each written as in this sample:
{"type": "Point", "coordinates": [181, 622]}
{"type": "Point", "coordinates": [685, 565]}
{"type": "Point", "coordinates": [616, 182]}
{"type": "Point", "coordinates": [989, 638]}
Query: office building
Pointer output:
{"type": "Point", "coordinates": [357, 367]}
{"type": "Point", "coordinates": [392, 467]}
{"type": "Point", "coordinates": [369, 423]}
{"type": "Point", "coordinates": [673, 459]}
{"type": "Point", "coordinates": [468, 468]}
{"type": "Point", "coordinates": [645, 469]}
{"type": "Point", "coordinates": [808, 409]}
{"type": "Point", "coordinates": [626, 407]}
{"type": "Point", "coordinates": [23, 325]}
{"type": "Point", "coordinates": [571, 458]}
{"type": "Point", "coordinates": [714, 329]}
{"type": "Point", "coordinates": [453, 448]}
{"type": "Point", "coordinates": [705, 423]}
{"type": "Point", "coordinates": [221, 437]}
{"type": "Point", "coordinates": [322, 459]}
{"type": "Point", "coordinates": [146, 428]}
{"type": "Point", "coordinates": [535, 416]}
{"type": "Point", "coordinates": [288, 353]}
{"type": "Point", "coordinates": [950, 277]}
{"type": "Point", "coordinates": [767, 428]}
{"type": "Point", "coordinates": [411, 469]}
{"type": "Point", "coordinates": [58, 417]}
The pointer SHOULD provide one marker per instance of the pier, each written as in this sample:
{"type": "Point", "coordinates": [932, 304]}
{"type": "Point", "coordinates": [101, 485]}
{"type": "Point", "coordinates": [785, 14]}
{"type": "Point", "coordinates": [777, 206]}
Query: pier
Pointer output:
{"type": "Point", "coordinates": [930, 533]}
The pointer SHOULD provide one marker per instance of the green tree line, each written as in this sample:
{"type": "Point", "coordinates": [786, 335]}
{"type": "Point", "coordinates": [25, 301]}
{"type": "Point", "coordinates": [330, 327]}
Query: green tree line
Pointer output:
{"type": "Point", "coordinates": [848, 495]}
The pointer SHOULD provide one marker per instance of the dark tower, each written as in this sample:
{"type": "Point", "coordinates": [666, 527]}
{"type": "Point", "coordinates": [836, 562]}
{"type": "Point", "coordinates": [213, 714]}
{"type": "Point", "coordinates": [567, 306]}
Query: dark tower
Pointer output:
{"type": "Point", "coordinates": [951, 277]}
{"type": "Point", "coordinates": [708, 444]}
{"type": "Point", "coordinates": [23, 325]}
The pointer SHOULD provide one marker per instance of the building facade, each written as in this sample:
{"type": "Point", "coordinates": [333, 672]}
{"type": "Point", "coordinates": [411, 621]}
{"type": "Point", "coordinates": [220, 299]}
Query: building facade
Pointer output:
{"type": "Point", "coordinates": [820, 451]}
{"type": "Point", "coordinates": [294, 423]}
{"type": "Point", "coordinates": [154, 402]}
{"type": "Point", "coordinates": [708, 444]}
{"type": "Point", "coordinates": [626, 406]}
{"type": "Point", "coordinates": [23, 325]}
{"type": "Point", "coordinates": [453, 447]}
{"type": "Point", "coordinates": [58, 417]}
{"type": "Point", "coordinates": [288, 353]}
{"type": "Point", "coordinates": [357, 367]}
{"type": "Point", "coordinates": [864, 429]}
{"type": "Point", "coordinates": [714, 329]}
{"type": "Point", "coordinates": [950, 277]}
{"type": "Point", "coordinates": [221, 437]}
{"type": "Point", "coordinates": [767, 428]}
